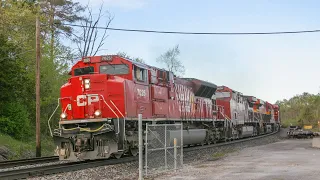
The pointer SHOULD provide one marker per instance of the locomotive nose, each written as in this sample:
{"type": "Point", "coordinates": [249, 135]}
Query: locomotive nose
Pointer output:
{"type": "Point", "coordinates": [85, 97]}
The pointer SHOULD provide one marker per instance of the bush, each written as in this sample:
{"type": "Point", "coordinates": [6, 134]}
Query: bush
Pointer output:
{"type": "Point", "coordinates": [15, 121]}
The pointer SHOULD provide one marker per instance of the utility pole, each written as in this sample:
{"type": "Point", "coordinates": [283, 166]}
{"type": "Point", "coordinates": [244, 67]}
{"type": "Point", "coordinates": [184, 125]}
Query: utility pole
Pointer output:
{"type": "Point", "coordinates": [38, 57]}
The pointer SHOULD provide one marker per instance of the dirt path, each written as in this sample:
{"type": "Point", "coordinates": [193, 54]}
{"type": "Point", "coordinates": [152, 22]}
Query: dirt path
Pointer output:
{"type": "Point", "coordinates": [288, 159]}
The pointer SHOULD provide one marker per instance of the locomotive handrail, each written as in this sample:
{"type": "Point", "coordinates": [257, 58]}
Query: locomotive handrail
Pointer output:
{"type": "Point", "coordinates": [124, 130]}
{"type": "Point", "coordinates": [87, 129]}
{"type": "Point", "coordinates": [91, 95]}
{"type": "Point", "coordinates": [117, 108]}
{"type": "Point", "coordinates": [113, 113]}
{"type": "Point", "coordinates": [54, 113]}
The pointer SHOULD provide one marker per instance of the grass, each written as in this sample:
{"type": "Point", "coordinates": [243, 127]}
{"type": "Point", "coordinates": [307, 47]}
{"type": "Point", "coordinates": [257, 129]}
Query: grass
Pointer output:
{"type": "Point", "coordinates": [219, 154]}
{"type": "Point", "coordinates": [222, 154]}
{"type": "Point", "coordinates": [19, 149]}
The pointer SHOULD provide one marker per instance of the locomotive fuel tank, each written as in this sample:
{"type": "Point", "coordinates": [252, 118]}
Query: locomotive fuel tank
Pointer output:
{"type": "Point", "coordinates": [247, 131]}
{"type": "Point", "coordinates": [191, 136]}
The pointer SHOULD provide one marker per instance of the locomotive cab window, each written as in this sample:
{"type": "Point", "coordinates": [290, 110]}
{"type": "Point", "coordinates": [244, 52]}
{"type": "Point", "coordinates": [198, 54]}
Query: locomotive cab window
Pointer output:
{"type": "Point", "coordinates": [163, 76]}
{"type": "Point", "coordinates": [114, 69]}
{"type": "Point", "coordinates": [83, 71]}
{"type": "Point", "coordinates": [140, 74]}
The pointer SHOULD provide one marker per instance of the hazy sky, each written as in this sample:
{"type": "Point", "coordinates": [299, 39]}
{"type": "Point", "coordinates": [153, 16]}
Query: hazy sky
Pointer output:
{"type": "Point", "coordinates": [270, 67]}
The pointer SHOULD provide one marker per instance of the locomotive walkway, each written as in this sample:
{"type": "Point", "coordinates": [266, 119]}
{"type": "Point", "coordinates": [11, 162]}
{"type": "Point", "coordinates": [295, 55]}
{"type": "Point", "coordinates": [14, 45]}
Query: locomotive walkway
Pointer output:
{"type": "Point", "coordinates": [284, 160]}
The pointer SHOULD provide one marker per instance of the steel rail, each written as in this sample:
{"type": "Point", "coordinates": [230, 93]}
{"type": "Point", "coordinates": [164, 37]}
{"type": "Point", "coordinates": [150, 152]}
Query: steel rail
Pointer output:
{"type": "Point", "coordinates": [23, 162]}
{"type": "Point", "coordinates": [73, 166]}
{"type": "Point", "coordinates": [60, 168]}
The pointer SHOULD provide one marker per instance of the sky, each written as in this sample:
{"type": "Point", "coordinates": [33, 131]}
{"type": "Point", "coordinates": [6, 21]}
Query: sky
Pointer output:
{"type": "Point", "coordinates": [270, 67]}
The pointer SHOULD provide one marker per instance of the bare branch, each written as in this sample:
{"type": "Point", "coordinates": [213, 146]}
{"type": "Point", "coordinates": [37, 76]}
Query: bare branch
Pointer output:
{"type": "Point", "coordinates": [104, 36]}
{"type": "Point", "coordinates": [171, 61]}
{"type": "Point", "coordinates": [89, 41]}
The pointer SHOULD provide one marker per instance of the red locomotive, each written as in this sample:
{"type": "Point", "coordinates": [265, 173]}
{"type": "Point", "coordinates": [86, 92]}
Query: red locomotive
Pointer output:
{"type": "Point", "coordinates": [102, 99]}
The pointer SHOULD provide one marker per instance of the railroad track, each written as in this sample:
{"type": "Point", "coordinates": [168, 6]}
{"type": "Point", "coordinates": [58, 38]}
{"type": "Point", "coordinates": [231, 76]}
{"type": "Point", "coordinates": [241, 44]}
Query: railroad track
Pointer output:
{"type": "Point", "coordinates": [23, 162]}
{"type": "Point", "coordinates": [229, 142]}
{"type": "Point", "coordinates": [73, 166]}
{"type": "Point", "coordinates": [60, 168]}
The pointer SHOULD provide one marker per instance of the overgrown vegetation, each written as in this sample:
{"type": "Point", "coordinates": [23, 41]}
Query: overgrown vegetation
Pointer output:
{"type": "Point", "coordinates": [300, 110]}
{"type": "Point", "coordinates": [17, 73]}
{"type": "Point", "coordinates": [218, 155]}
{"type": "Point", "coordinates": [19, 149]}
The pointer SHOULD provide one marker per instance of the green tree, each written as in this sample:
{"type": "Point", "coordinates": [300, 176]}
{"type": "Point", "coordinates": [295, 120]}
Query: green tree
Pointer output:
{"type": "Point", "coordinates": [300, 110]}
{"type": "Point", "coordinates": [58, 13]}
{"type": "Point", "coordinates": [17, 77]}
{"type": "Point", "coordinates": [15, 121]}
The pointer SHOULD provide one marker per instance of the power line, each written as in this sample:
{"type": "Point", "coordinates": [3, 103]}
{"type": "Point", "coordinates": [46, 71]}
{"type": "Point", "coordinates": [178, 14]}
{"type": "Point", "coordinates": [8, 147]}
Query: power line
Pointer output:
{"type": "Point", "coordinates": [198, 33]}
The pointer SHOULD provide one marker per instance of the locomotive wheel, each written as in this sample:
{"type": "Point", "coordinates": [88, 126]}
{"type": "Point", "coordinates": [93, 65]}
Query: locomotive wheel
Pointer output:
{"type": "Point", "coordinates": [117, 155]}
{"type": "Point", "coordinates": [134, 151]}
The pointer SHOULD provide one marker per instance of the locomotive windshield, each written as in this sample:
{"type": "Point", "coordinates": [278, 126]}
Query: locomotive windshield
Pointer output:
{"type": "Point", "coordinates": [83, 71]}
{"type": "Point", "coordinates": [114, 69]}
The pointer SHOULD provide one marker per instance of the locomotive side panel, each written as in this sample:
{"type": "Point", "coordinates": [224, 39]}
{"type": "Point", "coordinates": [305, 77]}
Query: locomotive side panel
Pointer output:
{"type": "Point", "coordinates": [237, 106]}
{"type": "Point", "coordinates": [137, 100]}
{"type": "Point", "coordinates": [131, 107]}
{"type": "Point", "coordinates": [159, 93]}
{"type": "Point", "coordinates": [174, 110]}
{"type": "Point", "coordinates": [142, 99]}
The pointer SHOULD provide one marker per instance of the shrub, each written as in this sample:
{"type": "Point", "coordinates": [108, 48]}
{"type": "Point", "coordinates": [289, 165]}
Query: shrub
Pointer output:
{"type": "Point", "coordinates": [15, 121]}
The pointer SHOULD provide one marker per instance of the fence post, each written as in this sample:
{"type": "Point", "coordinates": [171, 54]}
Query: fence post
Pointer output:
{"type": "Point", "coordinates": [140, 147]}
{"type": "Point", "coordinates": [181, 145]}
{"type": "Point", "coordinates": [175, 153]}
{"type": "Point", "coordinates": [146, 151]}
{"type": "Point", "coordinates": [165, 146]}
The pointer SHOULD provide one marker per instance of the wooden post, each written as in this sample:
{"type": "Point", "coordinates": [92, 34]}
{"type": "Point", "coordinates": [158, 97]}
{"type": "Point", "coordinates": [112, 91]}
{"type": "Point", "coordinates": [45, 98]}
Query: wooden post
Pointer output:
{"type": "Point", "coordinates": [38, 56]}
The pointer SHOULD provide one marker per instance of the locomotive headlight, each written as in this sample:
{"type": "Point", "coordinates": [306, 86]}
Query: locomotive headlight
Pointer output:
{"type": "Point", "coordinates": [86, 60]}
{"type": "Point", "coordinates": [86, 83]}
{"type": "Point", "coordinates": [97, 113]}
{"type": "Point", "coordinates": [63, 115]}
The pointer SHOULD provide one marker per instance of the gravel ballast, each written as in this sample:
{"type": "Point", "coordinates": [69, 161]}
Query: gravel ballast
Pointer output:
{"type": "Point", "coordinates": [130, 170]}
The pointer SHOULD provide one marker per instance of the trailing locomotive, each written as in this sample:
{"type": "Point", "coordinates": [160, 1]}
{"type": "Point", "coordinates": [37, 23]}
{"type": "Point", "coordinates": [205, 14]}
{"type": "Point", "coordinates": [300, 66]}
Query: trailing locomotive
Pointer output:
{"type": "Point", "coordinates": [101, 101]}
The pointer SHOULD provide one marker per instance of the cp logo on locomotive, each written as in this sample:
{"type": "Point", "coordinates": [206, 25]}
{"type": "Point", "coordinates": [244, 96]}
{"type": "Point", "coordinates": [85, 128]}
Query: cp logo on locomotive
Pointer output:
{"type": "Point", "coordinates": [82, 99]}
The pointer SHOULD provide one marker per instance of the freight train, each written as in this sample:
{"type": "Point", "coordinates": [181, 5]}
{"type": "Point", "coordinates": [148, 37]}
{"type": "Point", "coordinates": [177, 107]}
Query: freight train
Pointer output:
{"type": "Point", "coordinates": [101, 101]}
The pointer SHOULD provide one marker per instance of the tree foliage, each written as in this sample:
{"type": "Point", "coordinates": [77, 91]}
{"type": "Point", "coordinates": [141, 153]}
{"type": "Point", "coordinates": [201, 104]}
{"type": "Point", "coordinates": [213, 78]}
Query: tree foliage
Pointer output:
{"type": "Point", "coordinates": [171, 61]}
{"type": "Point", "coordinates": [59, 12]}
{"type": "Point", "coordinates": [17, 58]}
{"type": "Point", "coordinates": [56, 13]}
{"type": "Point", "coordinates": [15, 121]}
{"type": "Point", "coordinates": [300, 110]}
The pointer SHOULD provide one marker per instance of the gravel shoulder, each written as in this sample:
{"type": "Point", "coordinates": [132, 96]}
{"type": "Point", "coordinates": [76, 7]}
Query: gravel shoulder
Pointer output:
{"type": "Point", "coordinates": [283, 160]}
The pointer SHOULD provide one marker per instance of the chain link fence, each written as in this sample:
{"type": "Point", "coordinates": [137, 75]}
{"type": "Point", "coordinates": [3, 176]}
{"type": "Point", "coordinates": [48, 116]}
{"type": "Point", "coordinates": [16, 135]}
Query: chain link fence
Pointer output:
{"type": "Point", "coordinates": [163, 148]}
